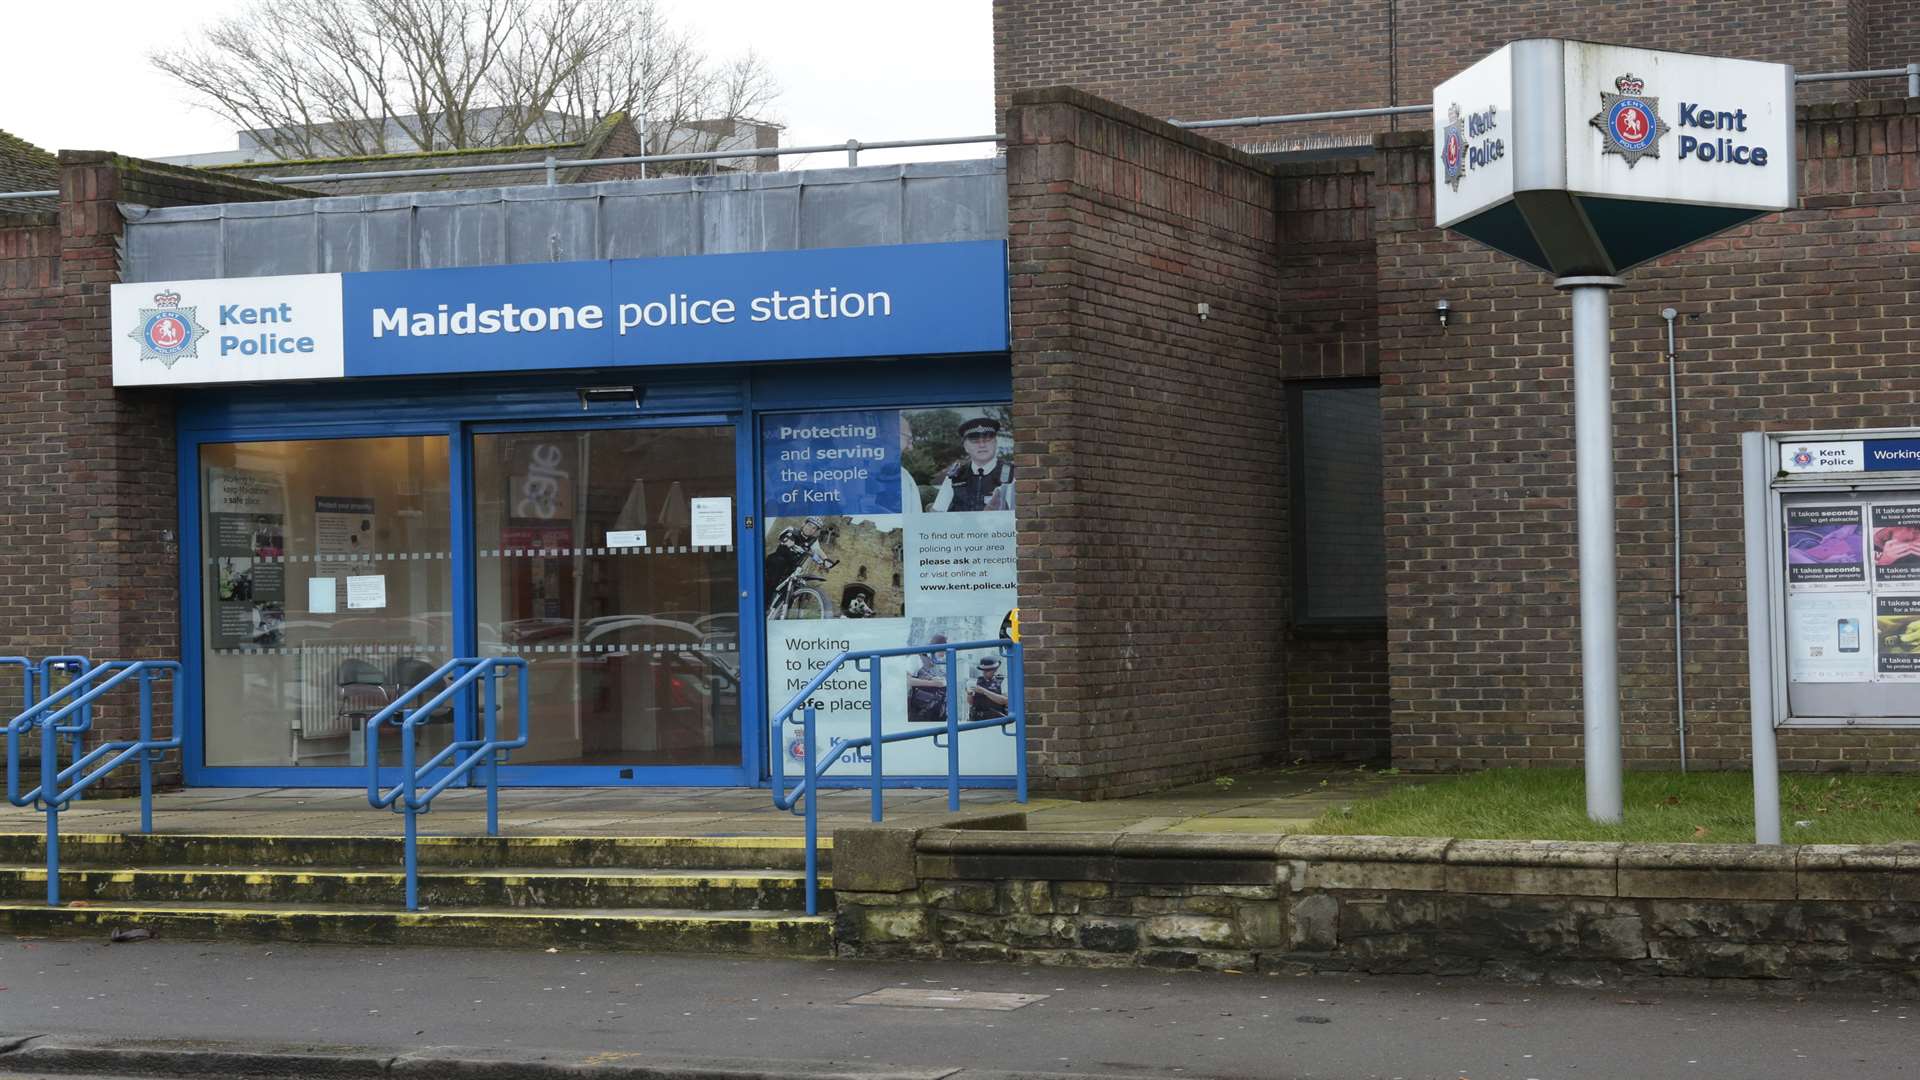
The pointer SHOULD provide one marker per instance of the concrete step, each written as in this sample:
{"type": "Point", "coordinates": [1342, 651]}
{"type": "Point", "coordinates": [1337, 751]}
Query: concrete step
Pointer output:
{"type": "Point", "coordinates": [637, 929]}
{"type": "Point", "coordinates": [520, 887]}
{"type": "Point", "coordinates": [383, 852]}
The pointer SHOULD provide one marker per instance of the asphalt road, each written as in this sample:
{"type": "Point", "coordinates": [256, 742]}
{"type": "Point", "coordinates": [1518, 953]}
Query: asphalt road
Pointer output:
{"type": "Point", "coordinates": [1126, 1022]}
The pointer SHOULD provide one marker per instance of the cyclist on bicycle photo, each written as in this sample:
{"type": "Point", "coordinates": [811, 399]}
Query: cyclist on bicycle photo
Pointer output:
{"type": "Point", "coordinates": [792, 552]}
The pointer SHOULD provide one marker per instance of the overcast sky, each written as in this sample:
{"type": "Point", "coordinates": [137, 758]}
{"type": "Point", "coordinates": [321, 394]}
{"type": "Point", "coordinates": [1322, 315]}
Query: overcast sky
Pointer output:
{"type": "Point", "coordinates": [866, 69]}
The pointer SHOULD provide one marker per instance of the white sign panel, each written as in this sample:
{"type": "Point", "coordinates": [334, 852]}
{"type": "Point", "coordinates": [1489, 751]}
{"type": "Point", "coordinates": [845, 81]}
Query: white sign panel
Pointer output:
{"type": "Point", "coordinates": [627, 538]}
{"type": "Point", "coordinates": [1823, 457]}
{"type": "Point", "coordinates": [1473, 139]}
{"type": "Point", "coordinates": [172, 333]}
{"type": "Point", "coordinates": [1671, 127]}
{"type": "Point", "coordinates": [1611, 133]}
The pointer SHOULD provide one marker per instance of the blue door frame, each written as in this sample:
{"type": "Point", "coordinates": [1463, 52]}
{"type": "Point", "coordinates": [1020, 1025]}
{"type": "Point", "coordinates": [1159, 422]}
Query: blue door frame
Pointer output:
{"type": "Point", "coordinates": [456, 410]}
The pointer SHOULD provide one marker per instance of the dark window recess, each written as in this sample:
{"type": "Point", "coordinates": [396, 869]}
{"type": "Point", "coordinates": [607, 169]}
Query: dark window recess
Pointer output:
{"type": "Point", "coordinates": [1339, 534]}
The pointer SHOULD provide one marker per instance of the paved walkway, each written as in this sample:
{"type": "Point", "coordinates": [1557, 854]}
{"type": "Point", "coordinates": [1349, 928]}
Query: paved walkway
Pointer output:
{"type": "Point", "coordinates": [1279, 800]}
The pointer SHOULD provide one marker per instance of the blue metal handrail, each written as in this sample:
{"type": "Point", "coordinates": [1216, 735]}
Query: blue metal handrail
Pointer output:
{"type": "Point", "coordinates": [34, 677]}
{"type": "Point", "coordinates": [1013, 724]}
{"type": "Point", "coordinates": [414, 794]}
{"type": "Point", "coordinates": [47, 714]}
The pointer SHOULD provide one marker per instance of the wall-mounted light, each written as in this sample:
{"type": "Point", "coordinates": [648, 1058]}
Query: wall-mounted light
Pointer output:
{"type": "Point", "coordinates": [1441, 309]}
{"type": "Point", "coordinates": [1203, 310]}
{"type": "Point", "coordinates": [590, 395]}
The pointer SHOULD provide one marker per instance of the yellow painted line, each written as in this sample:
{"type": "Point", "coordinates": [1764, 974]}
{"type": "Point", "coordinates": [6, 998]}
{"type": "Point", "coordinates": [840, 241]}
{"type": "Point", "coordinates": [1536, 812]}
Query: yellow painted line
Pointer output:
{"type": "Point", "coordinates": [422, 918]}
{"type": "Point", "coordinates": [431, 841]}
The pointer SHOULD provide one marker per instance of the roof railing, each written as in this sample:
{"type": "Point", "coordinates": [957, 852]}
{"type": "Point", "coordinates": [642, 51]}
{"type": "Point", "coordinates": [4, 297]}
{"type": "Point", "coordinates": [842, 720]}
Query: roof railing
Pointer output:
{"type": "Point", "coordinates": [551, 165]}
{"type": "Point", "coordinates": [1911, 73]}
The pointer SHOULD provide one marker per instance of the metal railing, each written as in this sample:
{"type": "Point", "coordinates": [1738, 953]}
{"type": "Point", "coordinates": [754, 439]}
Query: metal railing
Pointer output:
{"type": "Point", "coordinates": [1911, 73]}
{"type": "Point", "coordinates": [1013, 723]}
{"type": "Point", "coordinates": [552, 165]}
{"type": "Point", "coordinates": [48, 713]}
{"type": "Point", "coordinates": [414, 794]}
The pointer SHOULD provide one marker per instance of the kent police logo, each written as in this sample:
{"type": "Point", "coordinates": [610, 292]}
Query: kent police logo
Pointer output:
{"type": "Point", "coordinates": [1802, 458]}
{"type": "Point", "coordinates": [168, 332]}
{"type": "Point", "coordinates": [1453, 148]}
{"type": "Point", "coordinates": [1629, 121]}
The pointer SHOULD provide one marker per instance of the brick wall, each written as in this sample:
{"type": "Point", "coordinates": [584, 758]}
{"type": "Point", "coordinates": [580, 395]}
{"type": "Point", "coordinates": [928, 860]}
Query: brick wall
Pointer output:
{"type": "Point", "coordinates": [1893, 39]}
{"type": "Point", "coordinates": [1150, 534]}
{"type": "Point", "coordinates": [90, 563]}
{"type": "Point", "coordinates": [1249, 57]}
{"type": "Point", "coordinates": [1810, 319]}
{"type": "Point", "coordinates": [1327, 319]}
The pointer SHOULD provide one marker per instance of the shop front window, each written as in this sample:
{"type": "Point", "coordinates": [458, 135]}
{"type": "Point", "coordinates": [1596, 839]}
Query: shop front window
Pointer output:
{"type": "Point", "coordinates": [326, 572]}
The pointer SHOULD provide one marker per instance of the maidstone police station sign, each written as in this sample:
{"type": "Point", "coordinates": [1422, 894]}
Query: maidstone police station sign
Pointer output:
{"type": "Point", "coordinates": [894, 300]}
{"type": "Point", "coordinates": [1588, 159]}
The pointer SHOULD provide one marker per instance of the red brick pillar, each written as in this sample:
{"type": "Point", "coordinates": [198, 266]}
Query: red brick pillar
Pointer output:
{"type": "Point", "coordinates": [1149, 436]}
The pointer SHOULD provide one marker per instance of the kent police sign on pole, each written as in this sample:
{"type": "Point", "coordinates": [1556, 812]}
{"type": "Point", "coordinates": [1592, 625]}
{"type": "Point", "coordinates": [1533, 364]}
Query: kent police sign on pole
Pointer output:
{"type": "Point", "coordinates": [841, 303]}
{"type": "Point", "coordinates": [1585, 160]}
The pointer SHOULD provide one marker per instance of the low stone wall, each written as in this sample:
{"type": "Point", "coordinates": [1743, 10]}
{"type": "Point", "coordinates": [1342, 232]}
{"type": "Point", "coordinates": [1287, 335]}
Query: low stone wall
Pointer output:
{"type": "Point", "coordinates": [1581, 913]}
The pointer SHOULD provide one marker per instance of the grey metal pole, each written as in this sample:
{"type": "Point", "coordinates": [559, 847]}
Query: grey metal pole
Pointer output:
{"type": "Point", "coordinates": [1593, 464]}
{"type": "Point", "coordinates": [1755, 471]}
{"type": "Point", "coordinates": [1679, 638]}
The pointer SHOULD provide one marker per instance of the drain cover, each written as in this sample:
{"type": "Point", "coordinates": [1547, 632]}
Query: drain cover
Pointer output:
{"type": "Point", "coordinates": [946, 999]}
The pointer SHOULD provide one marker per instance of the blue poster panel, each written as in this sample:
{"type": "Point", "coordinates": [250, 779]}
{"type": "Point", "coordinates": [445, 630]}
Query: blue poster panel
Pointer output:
{"type": "Point", "coordinates": [889, 528]}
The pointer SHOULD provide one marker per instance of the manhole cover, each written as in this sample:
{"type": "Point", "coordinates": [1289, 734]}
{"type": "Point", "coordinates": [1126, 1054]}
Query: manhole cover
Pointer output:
{"type": "Point", "coordinates": [946, 999]}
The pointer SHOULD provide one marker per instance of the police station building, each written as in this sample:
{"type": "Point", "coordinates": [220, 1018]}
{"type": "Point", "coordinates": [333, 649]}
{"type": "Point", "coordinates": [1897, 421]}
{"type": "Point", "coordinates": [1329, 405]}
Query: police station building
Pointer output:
{"type": "Point", "coordinates": [1271, 467]}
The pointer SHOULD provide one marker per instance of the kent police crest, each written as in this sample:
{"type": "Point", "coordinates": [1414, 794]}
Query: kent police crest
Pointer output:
{"type": "Point", "coordinates": [1629, 121]}
{"type": "Point", "coordinates": [1453, 148]}
{"type": "Point", "coordinates": [168, 332]}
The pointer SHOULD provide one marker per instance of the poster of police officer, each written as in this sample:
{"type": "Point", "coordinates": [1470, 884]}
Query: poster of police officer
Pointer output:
{"type": "Point", "coordinates": [887, 528]}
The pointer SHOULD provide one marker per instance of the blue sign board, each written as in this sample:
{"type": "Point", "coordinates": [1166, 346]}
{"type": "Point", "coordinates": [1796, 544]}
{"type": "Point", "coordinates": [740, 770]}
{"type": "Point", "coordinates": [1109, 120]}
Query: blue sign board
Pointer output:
{"type": "Point", "coordinates": [1892, 455]}
{"type": "Point", "coordinates": [824, 304]}
{"type": "Point", "coordinates": [697, 309]}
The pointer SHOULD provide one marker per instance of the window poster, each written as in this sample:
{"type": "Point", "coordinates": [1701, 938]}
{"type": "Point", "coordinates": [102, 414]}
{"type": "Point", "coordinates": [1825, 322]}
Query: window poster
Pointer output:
{"type": "Point", "coordinates": [1825, 547]}
{"type": "Point", "coordinates": [1896, 545]}
{"type": "Point", "coordinates": [343, 542]}
{"type": "Point", "coordinates": [883, 529]}
{"type": "Point", "coordinates": [246, 542]}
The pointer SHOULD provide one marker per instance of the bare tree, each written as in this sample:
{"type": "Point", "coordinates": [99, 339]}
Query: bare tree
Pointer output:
{"type": "Point", "coordinates": [336, 78]}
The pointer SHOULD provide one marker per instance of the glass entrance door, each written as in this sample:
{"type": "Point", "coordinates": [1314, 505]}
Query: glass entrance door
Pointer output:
{"type": "Point", "coordinates": [605, 557]}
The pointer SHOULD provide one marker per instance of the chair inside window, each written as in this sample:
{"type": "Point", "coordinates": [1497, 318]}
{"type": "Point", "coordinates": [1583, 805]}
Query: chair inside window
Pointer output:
{"type": "Point", "coordinates": [410, 673]}
{"type": "Point", "coordinates": [363, 691]}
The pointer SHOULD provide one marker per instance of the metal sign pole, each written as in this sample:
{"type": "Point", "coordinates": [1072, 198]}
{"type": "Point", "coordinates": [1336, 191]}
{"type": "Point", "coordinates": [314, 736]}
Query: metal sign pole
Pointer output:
{"type": "Point", "coordinates": [1757, 462]}
{"type": "Point", "coordinates": [1593, 463]}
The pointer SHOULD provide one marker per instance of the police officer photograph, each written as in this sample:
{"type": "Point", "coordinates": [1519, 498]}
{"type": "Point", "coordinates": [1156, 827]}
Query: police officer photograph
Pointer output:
{"type": "Point", "coordinates": [964, 455]}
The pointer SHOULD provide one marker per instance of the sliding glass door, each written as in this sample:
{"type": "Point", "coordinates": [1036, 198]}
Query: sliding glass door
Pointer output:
{"type": "Point", "coordinates": [605, 557]}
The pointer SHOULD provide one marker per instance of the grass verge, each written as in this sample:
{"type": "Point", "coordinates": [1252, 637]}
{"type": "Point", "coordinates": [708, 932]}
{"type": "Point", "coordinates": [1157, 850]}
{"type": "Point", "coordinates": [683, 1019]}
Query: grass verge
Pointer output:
{"type": "Point", "coordinates": [1708, 808]}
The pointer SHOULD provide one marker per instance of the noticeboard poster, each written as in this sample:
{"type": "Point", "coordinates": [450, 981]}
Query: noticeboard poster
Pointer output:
{"type": "Point", "coordinates": [886, 528]}
{"type": "Point", "coordinates": [246, 544]}
{"type": "Point", "coordinates": [1896, 545]}
{"type": "Point", "coordinates": [1897, 634]}
{"type": "Point", "coordinates": [1828, 638]}
{"type": "Point", "coordinates": [1825, 547]}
